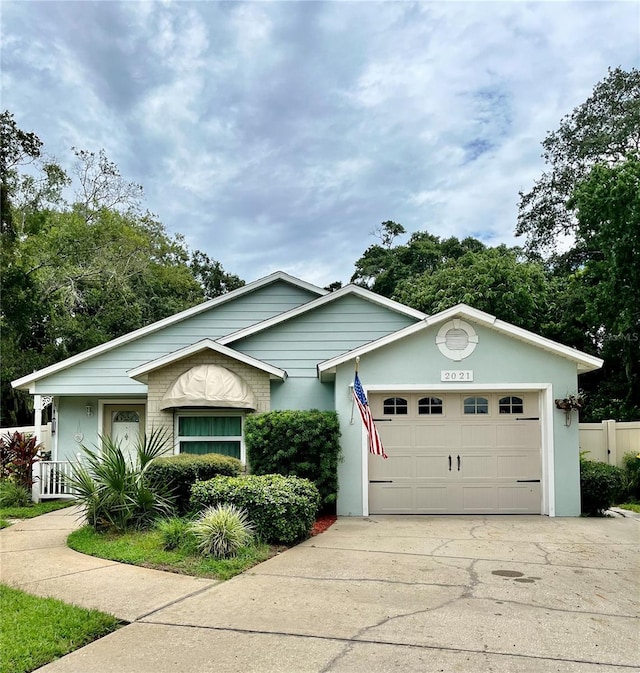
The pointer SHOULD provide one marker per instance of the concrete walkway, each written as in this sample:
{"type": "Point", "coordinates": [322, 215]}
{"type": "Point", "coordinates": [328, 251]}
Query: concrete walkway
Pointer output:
{"type": "Point", "coordinates": [471, 594]}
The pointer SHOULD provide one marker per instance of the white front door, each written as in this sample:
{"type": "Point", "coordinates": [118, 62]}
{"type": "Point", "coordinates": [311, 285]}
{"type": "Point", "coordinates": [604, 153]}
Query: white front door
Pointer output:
{"type": "Point", "coordinates": [125, 425]}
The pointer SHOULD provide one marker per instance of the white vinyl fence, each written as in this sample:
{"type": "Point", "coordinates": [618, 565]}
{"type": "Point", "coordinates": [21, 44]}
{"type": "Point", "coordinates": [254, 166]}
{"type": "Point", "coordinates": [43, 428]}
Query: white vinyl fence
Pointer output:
{"type": "Point", "coordinates": [608, 441]}
{"type": "Point", "coordinates": [45, 433]}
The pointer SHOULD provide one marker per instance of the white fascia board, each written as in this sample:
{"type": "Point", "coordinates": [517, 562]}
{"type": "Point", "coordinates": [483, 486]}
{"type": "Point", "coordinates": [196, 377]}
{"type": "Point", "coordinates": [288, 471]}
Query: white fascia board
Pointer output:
{"type": "Point", "coordinates": [584, 361]}
{"type": "Point", "coordinates": [24, 382]}
{"type": "Point", "coordinates": [205, 344]}
{"type": "Point", "coordinates": [321, 301]}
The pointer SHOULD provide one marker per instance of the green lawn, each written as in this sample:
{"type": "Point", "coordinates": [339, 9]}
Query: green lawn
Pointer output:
{"type": "Point", "coordinates": [36, 630]}
{"type": "Point", "coordinates": [144, 548]}
{"type": "Point", "coordinates": [33, 510]}
{"type": "Point", "coordinates": [633, 506]}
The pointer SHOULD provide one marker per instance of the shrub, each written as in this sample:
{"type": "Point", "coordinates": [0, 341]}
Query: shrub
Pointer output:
{"type": "Point", "coordinates": [114, 491]}
{"type": "Point", "coordinates": [178, 473]}
{"type": "Point", "coordinates": [631, 467]}
{"type": "Point", "coordinates": [18, 454]}
{"type": "Point", "coordinates": [13, 494]}
{"type": "Point", "coordinates": [600, 486]}
{"type": "Point", "coordinates": [174, 533]}
{"type": "Point", "coordinates": [282, 509]}
{"type": "Point", "coordinates": [300, 443]}
{"type": "Point", "coordinates": [222, 530]}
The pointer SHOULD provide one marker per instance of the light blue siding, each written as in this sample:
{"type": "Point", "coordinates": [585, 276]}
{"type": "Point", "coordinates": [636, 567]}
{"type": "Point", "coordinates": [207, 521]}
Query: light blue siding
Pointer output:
{"type": "Point", "coordinates": [299, 344]}
{"type": "Point", "coordinates": [106, 374]}
{"type": "Point", "coordinates": [302, 393]}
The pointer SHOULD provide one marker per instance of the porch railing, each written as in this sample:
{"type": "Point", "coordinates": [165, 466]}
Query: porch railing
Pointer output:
{"type": "Point", "coordinates": [53, 480]}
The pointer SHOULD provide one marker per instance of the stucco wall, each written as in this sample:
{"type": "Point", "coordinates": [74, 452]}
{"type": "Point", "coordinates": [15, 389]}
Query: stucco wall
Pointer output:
{"type": "Point", "coordinates": [160, 380]}
{"type": "Point", "coordinates": [498, 359]}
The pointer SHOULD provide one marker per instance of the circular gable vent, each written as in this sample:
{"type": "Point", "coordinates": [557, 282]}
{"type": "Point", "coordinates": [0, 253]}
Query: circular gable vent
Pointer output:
{"type": "Point", "coordinates": [456, 339]}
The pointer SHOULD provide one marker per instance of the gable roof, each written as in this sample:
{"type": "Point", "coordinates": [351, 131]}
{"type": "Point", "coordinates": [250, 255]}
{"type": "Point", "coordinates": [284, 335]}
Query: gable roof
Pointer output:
{"type": "Point", "coordinates": [25, 381]}
{"type": "Point", "coordinates": [321, 301]}
{"type": "Point", "coordinates": [584, 361]}
{"type": "Point", "coordinates": [140, 373]}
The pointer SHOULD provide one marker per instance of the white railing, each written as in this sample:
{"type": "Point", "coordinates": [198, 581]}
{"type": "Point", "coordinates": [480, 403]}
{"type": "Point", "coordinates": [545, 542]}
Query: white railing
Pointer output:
{"type": "Point", "coordinates": [52, 480]}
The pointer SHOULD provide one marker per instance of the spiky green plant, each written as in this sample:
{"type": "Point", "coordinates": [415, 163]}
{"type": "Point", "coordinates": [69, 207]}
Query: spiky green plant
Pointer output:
{"type": "Point", "coordinates": [13, 494]}
{"type": "Point", "coordinates": [114, 491]}
{"type": "Point", "coordinates": [222, 530]}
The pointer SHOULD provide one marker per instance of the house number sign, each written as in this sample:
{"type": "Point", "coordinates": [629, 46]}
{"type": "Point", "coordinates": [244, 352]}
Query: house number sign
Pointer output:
{"type": "Point", "coordinates": [456, 375]}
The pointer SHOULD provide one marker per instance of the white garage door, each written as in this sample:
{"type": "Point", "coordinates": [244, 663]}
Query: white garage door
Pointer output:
{"type": "Point", "coordinates": [456, 453]}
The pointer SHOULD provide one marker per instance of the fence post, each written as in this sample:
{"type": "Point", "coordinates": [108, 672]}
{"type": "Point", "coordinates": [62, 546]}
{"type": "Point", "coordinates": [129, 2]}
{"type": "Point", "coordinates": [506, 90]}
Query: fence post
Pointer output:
{"type": "Point", "coordinates": [36, 476]}
{"type": "Point", "coordinates": [611, 443]}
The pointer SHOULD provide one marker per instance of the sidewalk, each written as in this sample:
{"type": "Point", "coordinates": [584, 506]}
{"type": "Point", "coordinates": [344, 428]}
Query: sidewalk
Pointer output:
{"type": "Point", "coordinates": [34, 557]}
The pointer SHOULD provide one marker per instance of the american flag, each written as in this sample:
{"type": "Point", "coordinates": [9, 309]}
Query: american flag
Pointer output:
{"type": "Point", "coordinates": [375, 443]}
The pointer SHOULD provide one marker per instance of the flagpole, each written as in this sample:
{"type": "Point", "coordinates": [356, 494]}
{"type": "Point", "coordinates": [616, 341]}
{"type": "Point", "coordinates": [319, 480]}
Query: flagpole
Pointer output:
{"type": "Point", "coordinates": [353, 401]}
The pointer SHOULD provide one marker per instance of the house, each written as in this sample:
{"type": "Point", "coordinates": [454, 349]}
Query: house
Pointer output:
{"type": "Point", "coordinates": [463, 401]}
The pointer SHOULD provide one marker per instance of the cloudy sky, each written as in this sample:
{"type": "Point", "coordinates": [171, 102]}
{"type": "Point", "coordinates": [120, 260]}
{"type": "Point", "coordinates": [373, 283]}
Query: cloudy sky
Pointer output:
{"type": "Point", "coordinates": [278, 135]}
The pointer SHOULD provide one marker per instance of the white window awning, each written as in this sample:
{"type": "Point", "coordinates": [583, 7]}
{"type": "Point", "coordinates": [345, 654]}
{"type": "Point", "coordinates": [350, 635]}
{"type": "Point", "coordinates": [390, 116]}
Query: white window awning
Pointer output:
{"type": "Point", "coordinates": [209, 386]}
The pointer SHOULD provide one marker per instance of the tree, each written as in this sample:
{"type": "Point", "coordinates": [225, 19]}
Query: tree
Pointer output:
{"type": "Point", "coordinates": [381, 269]}
{"type": "Point", "coordinates": [77, 275]}
{"type": "Point", "coordinates": [494, 280]}
{"type": "Point", "coordinates": [213, 279]}
{"type": "Point", "coordinates": [604, 129]}
{"type": "Point", "coordinates": [607, 206]}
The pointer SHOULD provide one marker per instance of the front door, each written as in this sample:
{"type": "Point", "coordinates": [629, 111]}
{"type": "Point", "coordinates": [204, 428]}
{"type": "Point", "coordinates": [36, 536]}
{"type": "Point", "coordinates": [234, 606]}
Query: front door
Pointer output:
{"type": "Point", "coordinates": [125, 425]}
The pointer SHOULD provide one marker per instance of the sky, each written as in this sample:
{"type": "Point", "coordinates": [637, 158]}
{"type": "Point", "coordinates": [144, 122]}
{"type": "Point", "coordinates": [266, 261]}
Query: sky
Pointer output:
{"type": "Point", "coordinates": [279, 135]}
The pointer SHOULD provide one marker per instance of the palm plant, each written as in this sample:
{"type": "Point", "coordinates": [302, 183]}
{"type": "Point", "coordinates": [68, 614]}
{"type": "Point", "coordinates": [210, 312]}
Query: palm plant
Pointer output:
{"type": "Point", "coordinates": [114, 491]}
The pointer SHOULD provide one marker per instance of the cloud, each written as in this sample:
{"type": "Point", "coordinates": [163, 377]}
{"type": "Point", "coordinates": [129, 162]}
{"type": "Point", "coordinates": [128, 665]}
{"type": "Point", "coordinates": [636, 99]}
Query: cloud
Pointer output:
{"type": "Point", "coordinates": [278, 135]}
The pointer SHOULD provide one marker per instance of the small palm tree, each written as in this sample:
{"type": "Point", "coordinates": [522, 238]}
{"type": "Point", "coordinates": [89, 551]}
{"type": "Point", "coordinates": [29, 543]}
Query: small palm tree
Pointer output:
{"type": "Point", "coordinates": [114, 491]}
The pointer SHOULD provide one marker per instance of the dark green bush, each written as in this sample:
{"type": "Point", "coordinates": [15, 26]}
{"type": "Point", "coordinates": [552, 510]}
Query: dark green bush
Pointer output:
{"type": "Point", "coordinates": [282, 509]}
{"type": "Point", "coordinates": [300, 443]}
{"type": "Point", "coordinates": [631, 467]}
{"type": "Point", "coordinates": [600, 486]}
{"type": "Point", "coordinates": [179, 473]}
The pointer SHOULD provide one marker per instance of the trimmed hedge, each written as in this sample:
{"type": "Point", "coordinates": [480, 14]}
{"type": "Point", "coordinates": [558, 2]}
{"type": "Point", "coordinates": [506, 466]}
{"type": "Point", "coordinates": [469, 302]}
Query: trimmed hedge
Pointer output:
{"type": "Point", "coordinates": [282, 509]}
{"type": "Point", "coordinates": [600, 486]}
{"type": "Point", "coordinates": [177, 474]}
{"type": "Point", "coordinates": [300, 443]}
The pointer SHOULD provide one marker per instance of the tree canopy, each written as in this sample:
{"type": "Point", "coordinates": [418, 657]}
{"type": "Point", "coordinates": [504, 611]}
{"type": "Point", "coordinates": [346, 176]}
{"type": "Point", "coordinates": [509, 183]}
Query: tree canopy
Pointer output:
{"type": "Point", "coordinates": [76, 274]}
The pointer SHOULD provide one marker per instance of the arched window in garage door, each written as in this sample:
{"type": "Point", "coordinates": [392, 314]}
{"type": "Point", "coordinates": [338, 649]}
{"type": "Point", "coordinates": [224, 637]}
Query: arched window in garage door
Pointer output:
{"type": "Point", "coordinates": [395, 406]}
{"type": "Point", "coordinates": [510, 405]}
{"type": "Point", "coordinates": [476, 405]}
{"type": "Point", "coordinates": [430, 405]}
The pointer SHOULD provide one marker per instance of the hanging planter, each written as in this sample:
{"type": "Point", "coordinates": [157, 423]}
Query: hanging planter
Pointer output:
{"type": "Point", "coordinates": [569, 404]}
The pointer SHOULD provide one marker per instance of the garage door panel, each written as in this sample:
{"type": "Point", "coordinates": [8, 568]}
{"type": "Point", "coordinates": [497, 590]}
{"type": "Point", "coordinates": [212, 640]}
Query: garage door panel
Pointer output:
{"type": "Point", "coordinates": [432, 499]}
{"type": "Point", "coordinates": [479, 498]}
{"type": "Point", "coordinates": [519, 499]}
{"type": "Point", "coordinates": [522, 434]}
{"type": "Point", "coordinates": [399, 465]}
{"type": "Point", "coordinates": [436, 435]}
{"type": "Point", "coordinates": [519, 465]}
{"type": "Point", "coordinates": [432, 466]}
{"type": "Point", "coordinates": [478, 435]}
{"type": "Point", "coordinates": [391, 499]}
{"type": "Point", "coordinates": [396, 434]}
{"type": "Point", "coordinates": [478, 466]}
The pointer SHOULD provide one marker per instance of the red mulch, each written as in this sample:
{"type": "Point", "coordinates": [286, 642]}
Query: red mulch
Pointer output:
{"type": "Point", "coordinates": [322, 523]}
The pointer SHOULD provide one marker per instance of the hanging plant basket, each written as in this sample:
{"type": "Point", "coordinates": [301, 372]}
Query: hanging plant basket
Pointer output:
{"type": "Point", "coordinates": [569, 404]}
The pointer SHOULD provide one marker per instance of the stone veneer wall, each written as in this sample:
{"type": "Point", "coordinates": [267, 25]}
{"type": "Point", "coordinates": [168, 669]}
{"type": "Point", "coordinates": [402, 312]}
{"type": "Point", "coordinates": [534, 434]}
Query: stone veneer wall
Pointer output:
{"type": "Point", "coordinates": [160, 380]}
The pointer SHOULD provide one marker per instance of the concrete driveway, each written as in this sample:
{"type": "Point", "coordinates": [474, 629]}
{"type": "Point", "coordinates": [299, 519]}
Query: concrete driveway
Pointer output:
{"type": "Point", "coordinates": [471, 594]}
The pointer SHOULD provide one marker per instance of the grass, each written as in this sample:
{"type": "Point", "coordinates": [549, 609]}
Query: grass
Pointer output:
{"type": "Point", "coordinates": [33, 510]}
{"type": "Point", "coordinates": [144, 548]}
{"type": "Point", "coordinates": [36, 630]}
{"type": "Point", "coordinates": [633, 506]}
